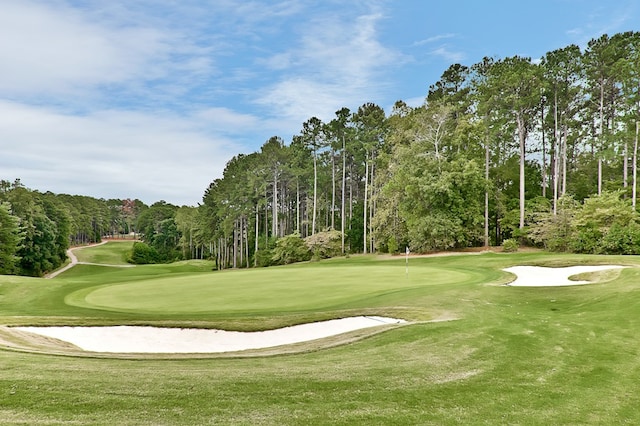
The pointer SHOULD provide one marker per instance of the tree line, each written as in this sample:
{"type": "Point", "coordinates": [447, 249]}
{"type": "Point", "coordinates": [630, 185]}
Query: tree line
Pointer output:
{"type": "Point", "coordinates": [541, 152]}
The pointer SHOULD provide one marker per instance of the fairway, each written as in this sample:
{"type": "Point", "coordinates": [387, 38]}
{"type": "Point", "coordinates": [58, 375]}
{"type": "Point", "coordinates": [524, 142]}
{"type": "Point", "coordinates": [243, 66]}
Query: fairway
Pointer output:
{"type": "Point", "coordinates": [504, 355]}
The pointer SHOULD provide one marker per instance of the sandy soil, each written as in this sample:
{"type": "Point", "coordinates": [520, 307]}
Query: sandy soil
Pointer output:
{"type": "Point", "coordinates": [131, 339]}
{"type": "Point", "coordinates": [538, 276]}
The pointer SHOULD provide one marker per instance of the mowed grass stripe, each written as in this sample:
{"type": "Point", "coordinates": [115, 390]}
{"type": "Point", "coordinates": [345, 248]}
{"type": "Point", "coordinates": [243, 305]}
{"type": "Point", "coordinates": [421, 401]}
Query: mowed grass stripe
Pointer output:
{"type": "Point", "coordinates": [111, 253]}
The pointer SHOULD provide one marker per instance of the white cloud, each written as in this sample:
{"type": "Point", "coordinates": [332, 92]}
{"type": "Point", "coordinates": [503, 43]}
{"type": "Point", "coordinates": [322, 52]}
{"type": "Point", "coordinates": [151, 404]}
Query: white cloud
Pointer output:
{"type": "Point", "coordinates": [112, 154]}
{"type": "Point", "coordinates": [447, 54]}
{"type": "Point", "coordinates": [53, 49]}
{"type": "Point", "coordinates": [338, 62]}
{"type": "Point", "coordinates": [434, 39]}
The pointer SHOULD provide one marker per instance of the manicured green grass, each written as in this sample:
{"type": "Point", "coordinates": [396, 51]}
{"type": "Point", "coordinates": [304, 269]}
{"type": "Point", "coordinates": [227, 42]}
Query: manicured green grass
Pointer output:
{"type": "Point", "coordinates": [112, 253]}
{"type": "Point", "coordinates": [547, 355]}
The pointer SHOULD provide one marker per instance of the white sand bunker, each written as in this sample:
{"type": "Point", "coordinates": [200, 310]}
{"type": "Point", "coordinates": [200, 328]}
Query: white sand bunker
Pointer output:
{"type": "Point", "coordinates": [133, 339]}
{"type": "Point", "coordinates": [538, 276]}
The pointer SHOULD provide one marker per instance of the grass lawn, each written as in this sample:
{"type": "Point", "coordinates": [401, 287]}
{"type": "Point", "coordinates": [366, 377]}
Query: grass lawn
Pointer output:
{"type": "Point", "coordinates": [529, 356]}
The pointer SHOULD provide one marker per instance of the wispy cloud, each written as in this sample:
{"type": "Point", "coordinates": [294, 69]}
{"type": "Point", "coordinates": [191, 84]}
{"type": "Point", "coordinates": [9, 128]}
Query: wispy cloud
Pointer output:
{"type": "Point", "coordinates": [337, 61]}
{"type": "Point", "coordinates": [447, 54]}
{"type": "Point", "coordinates": [114, 153]}
{"type": "Point", "coordinates": [604, 19]}
{"type": "Point", "coordinates": [434, 39]}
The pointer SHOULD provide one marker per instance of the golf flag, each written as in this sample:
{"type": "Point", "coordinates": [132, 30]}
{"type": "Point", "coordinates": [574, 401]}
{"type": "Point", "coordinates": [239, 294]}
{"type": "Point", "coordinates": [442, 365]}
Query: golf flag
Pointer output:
{"type": "Point", "coordinates": [407, 261]}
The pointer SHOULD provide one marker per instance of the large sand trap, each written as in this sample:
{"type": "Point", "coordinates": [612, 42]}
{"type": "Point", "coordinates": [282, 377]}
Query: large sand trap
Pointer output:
{"type": "Point", "coordinates": [538, 276]}
{"type": "Point", "coordinates": [130, 339]}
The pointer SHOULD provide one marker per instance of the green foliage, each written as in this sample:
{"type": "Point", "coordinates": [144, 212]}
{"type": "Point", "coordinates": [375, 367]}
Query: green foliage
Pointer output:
{"type": "Point", "coordinates": [290, 249]}
{"type": "Point", "coordinates": [10, 239]}
{"type": "Point", "coordinates": [142, 254]}
{"type": "Point", "coordinates": [439, 202]}
{"type": "Point", "coordinates": [392, 245]}
{"type": "Point", "coordinates": [324, 245]}
{"type": "Point", "coordinates": [604, 224]}
{"type": "Point", "coordinates": [510, 245]}
{"type": "Point", "coordinates": [621, 239]}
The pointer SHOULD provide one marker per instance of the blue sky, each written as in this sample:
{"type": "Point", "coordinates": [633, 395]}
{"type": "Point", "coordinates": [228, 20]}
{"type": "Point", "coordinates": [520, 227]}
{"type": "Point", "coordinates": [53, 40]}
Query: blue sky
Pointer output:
{"type": "Point", "coordinates": [149, 99]}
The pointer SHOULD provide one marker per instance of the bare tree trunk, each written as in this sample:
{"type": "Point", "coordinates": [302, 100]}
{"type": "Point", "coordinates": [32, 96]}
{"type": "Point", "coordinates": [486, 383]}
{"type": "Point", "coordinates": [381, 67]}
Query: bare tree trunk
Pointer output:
{"type": "Point", "coordinates": [486, 192]}
{"type": "Point", "coordinates": [556, 149]}
{"type": "Point", "coordinates": [625, 167]}
{"type": "Point", "coordinates": [245, 231]}
{"type": "Point", "coordinates": [255, 248]}
{"type": "Point", "coordinates": [366, 191]}
{"type": "Point", "coordinates": [344, 174]}
{"type": "Point", "coordinates": [544, 156]}
{"type": "Point", "coordinates": [635, 166]}
{"type": "Point", "coordinates": [522, 136]}
{"type": "Point", "coordinates": [333, 189]}
{"type": "Point", "coordinates": [601, 138]}
{"type": "Point", "coordinates": [564, 159]}
{"type": "Point", "coordinates": [315, 191]}
{"type": "Point", "coordinates": [274, 207]}
{"type": "Point", "coordinates": [241, 232]}
{"type": "Point", "coordinates": [298, 206]}
{"type": "Point", "coordinates": [235, 245]}
{"type": "Point", "coordinates": [372, 204]}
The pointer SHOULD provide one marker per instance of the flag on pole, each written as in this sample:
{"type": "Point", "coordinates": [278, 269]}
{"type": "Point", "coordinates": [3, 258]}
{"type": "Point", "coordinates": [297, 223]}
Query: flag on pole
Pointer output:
{"type": "Point", "coordinates": [407, 262]}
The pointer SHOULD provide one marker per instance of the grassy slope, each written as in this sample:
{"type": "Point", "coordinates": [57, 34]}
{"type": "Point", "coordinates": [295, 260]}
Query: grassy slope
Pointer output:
{"type": "Point", "coordinates": [112, 253]}
{"type": "Point", "coordinates": [516, 355]}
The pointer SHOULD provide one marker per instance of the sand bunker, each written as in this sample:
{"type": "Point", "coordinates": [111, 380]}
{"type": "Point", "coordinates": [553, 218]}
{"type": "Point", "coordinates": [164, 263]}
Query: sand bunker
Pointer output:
{"type": "Point", "coordinates": [538, 276]}
{"type": "Point", "coordinates": [133, 339]}
{"type": "Point", "coordinates": [130, 339]}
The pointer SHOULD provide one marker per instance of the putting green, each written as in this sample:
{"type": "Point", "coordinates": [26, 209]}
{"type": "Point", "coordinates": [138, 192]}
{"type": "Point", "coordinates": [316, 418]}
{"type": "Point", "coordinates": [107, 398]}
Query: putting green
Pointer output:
{"type": "Point", "coordinates": [267, 290]}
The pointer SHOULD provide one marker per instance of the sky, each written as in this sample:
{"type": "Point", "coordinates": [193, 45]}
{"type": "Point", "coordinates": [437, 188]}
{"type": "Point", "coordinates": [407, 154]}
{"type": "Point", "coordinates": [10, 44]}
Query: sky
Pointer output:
{"type": "Point", "coordinates": [149, 99]}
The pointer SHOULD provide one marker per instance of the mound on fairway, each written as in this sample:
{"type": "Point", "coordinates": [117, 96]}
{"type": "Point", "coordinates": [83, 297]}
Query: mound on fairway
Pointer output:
{"type": "Point", "coordinates": [126, 339]}
{"type": "Point", "coordinates": [539, 276]}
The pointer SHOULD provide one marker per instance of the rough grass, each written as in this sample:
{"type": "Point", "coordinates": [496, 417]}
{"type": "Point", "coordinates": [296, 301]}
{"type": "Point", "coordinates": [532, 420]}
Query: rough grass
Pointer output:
{"type": "Point", "coordinates": [545, 355]}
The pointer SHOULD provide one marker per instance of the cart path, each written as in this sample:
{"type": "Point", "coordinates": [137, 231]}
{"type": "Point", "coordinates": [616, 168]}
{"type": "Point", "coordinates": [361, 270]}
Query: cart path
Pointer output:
{"type": "Point", "coordinates": [74, 261]}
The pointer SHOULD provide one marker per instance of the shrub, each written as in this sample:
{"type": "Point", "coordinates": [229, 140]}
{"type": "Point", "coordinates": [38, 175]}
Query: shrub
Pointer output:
{"type": "Point", "coordinates": [325, 244]}
{"type": "Point", "coordinates": [510, 245]}
{"type": "Point", "coordinates": [264, 258]}
{"type": "Point", "coordinates": [621, 240]}
{"type": "Point", "coordinates": [142, 254]}
{"type": "Point", "coordinates": [290, 249]}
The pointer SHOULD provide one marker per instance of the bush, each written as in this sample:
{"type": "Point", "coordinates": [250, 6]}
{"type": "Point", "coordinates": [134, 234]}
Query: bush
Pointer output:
{"type": "Point", "coordinates": [510, 245]}
{"type": "Point", "coordinates": [264, 258]}
{"type": "Point", "coordinates": [621, 240]}
{"type": "Point", "coordinates": [587, 240]}
{"type": "Point", "coordinates": [290, 249]}
{"type": "Point", "coordinates": [142, 254]}
{"type": "Point", "coordinates": [325, 244]}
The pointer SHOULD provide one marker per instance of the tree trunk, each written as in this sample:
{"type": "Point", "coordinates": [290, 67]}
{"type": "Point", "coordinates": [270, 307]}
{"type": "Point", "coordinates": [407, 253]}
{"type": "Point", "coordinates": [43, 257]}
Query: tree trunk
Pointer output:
{"type": "Point", "coordinates": [564, 160]}
{"type": "Point", "coordinates": [522, 136]}
{"type": "Point", "coordinates": [486, 192]}
{"type": "Point", "coordinates": [556, 150]}
{"type": "Point", "coordinates": [315, 192]}
{"type": "Point", "coordinates": [366, 191]}
{"type": "Point", "coordinates": [255, 249]}
{"type": "Point", "coordinates": [601, 138]}
{"type": "Point", "coordinates": [333, 189]}
{"type": "Point", "coordinates": [544, 156]}
{"type": "Point", "coordinates": [274, 224]}
{"type": "Point", "coordinates": [344, 174]}
{"type": "Point", "coordinates": [298, 206]}
{"type": "Point", "coordinates": [635, 166]}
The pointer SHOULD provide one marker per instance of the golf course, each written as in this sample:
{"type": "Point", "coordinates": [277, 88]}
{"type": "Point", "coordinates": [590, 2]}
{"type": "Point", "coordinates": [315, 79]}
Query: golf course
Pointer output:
{"type": "Point", "coordinates": [469, 350]}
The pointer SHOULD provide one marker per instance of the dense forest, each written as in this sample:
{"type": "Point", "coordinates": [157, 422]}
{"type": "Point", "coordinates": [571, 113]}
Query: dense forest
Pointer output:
{"type": "Point", "coordinates": [504, 152]}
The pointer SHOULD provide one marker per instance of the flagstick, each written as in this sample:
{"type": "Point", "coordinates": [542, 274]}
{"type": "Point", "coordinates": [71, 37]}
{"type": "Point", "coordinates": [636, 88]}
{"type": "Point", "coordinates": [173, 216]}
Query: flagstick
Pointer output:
{"type": "Point", "coordinates": [407, 262]}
